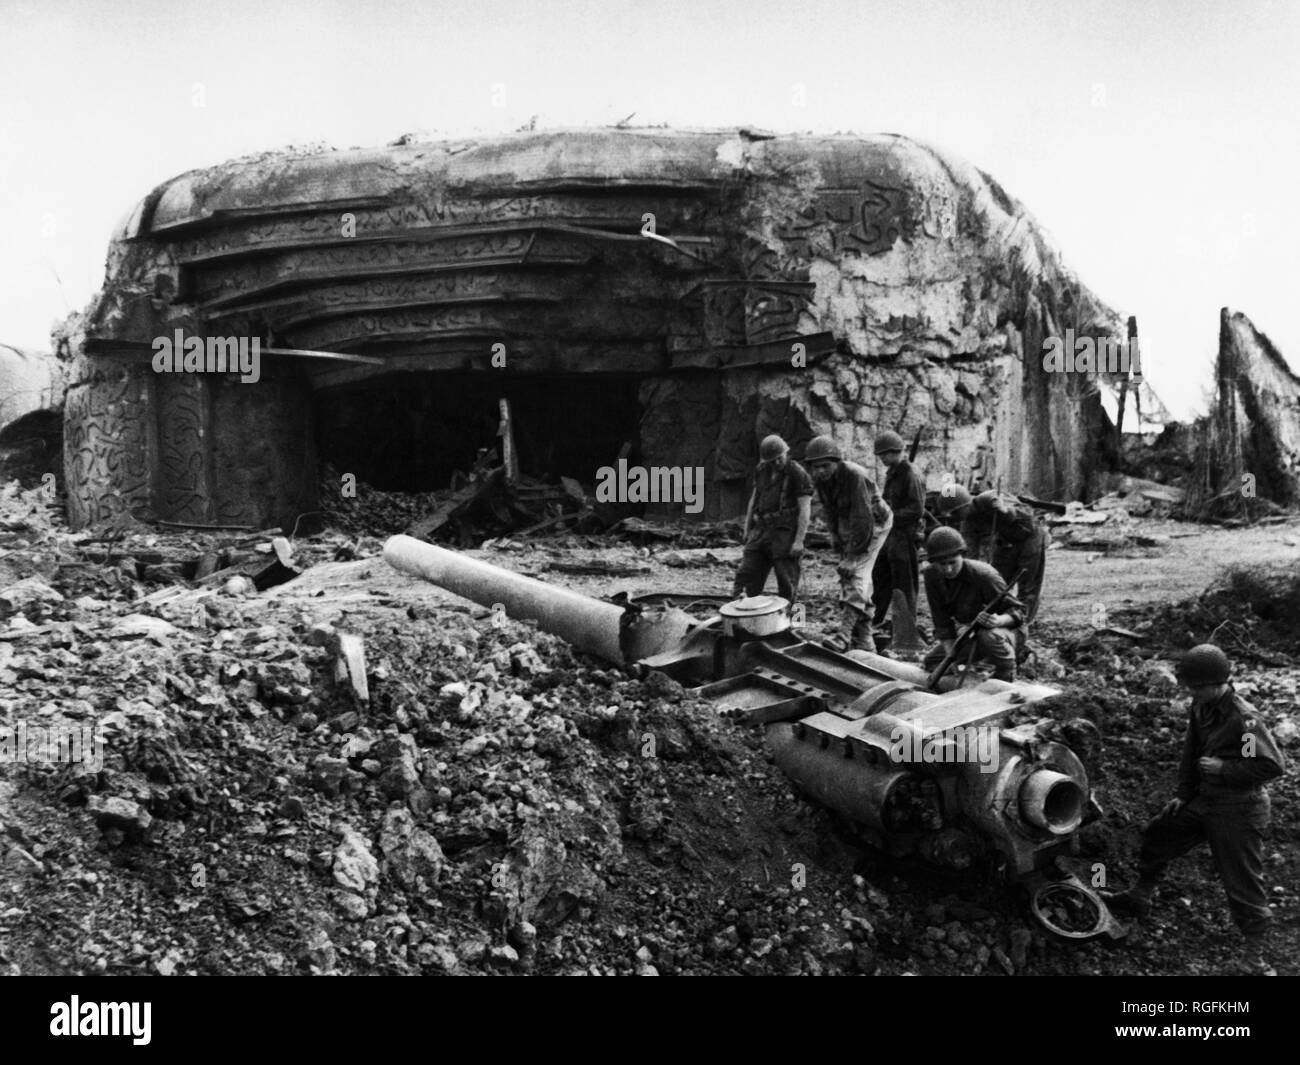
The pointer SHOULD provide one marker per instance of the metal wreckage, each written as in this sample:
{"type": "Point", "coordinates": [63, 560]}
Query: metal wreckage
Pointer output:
{"type": "Point", "coordinates": [919, 764]}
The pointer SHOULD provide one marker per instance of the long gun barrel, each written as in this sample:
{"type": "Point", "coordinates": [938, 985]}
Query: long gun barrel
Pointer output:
{"type": "Point", "coordinates": [618, 634]}
{"type": "Point", "coordinates": [588, 624]}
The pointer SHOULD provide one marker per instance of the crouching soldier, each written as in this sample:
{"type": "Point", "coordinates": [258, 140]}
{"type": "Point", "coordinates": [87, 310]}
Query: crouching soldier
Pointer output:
{"type": "Point", "coordinates": [1228, 756]}
{"type": "Point", "coordinates": [775, 523]}
{"type": "Point", "coordinates": [1008, 531]}
{"type": "Point", "coordinates": [859, 521]}
{"type": "Point", "coordinates": [957, 590]}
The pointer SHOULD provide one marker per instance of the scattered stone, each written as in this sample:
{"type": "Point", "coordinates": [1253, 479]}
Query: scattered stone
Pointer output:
{"type": "Point", "coordinates": [318, 950]}
{"type": "Point", "coordinates": [133, 625]}
{"type": "Point", "coordinates": [27, 593]}
{"type": "Point", "coordinates": [412, 856]}
{"type": "Point", "coordinates": [1286, 732]}
{"type": "Point", "coordinates": [503, 955]}
{"type": "Point", "coordinates": [355, 868]}
{"type": "Point", "coordinates": [125, 815]}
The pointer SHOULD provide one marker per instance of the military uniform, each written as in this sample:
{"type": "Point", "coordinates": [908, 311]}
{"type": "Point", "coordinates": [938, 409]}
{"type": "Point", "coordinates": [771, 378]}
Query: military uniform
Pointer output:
{"type": "Point", "coordinates": [1018, 539]}
{"type": "Point", "coordinates": [898, 564]}
{"type": "Point", "coordinates": [1230, 810]}
{"type": "Point", "coordinates": [859, 521]}
{"type": "Point", "coordinates": [959, 601]}
{"type": "Point", "coordinates": [772, 527]}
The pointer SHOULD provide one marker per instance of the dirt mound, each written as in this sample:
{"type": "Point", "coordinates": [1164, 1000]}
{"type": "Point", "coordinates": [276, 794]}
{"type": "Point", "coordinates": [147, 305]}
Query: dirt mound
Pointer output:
{"type": "Point", "coordinates": [1251, 612]}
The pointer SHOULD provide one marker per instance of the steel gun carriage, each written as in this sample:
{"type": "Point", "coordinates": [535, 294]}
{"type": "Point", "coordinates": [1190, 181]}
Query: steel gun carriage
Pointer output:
{"type": "Point", "coordinates": [940, 774]}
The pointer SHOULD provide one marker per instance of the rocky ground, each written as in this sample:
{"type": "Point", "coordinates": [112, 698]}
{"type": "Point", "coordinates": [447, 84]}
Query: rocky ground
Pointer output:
{"type": "Point", "coordinates": [501, 804]}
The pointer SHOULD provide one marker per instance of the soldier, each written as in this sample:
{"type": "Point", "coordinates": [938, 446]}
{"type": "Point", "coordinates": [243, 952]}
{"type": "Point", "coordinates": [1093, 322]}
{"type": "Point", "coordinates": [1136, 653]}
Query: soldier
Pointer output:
{"type": "Point", "coordinates": [859, 520]}
{"type": "Point", "coordinates": [957, 589]}
{"type": "Point", "coordinates": [1016, 538]}
{"type": "Point", "coordinates": [1228, 756]}
{"type": "Point", "coordinates": [776, 522]}
{"type": "Point", "coordinates": [898, 565]}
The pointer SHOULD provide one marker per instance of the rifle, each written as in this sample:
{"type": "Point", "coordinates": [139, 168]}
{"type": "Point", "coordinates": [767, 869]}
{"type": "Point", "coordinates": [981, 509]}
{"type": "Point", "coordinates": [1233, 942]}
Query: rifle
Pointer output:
{"type": "Point", "coordinates": [916, 444]}
{"type": "Point", "coordinates": [1044, 504]}
{"type": "Point", "coordinates": [967, 635]}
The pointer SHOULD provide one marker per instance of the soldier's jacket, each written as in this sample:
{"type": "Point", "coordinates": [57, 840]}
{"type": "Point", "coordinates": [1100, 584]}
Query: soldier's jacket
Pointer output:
{"type": "Point", "coordinates": [853, 506]}
{"type": "Point", "coordinates": [905, 494]}
{"type": "Point", "coordinates": [776, 502]}
{"type": "Point", "coordinates": [958, 601]}
{"type": "Point", "coordinates": [1217, 730]}
{"type": "Point", "coordinates": [1001, 515]}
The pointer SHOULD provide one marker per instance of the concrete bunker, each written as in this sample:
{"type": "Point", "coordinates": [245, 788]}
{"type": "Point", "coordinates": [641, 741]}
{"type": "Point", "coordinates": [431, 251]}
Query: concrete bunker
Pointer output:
{"type": "Point", "coordinates": [671, 295]}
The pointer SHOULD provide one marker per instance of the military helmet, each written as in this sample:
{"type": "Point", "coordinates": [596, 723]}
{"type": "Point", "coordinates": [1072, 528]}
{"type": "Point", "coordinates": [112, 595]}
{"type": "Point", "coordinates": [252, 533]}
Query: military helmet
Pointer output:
{"type": "Point", "coordinates": [944, 543]}
{"type": "Point", "coordinates": [888, 442]}
{"type": "Point", "coordinates": [1203, 664]}
{"type": "Point", "coordinates": [772, 447]}
{"type": "Point", "coordinates": [822, 447]}
{"type": "Point", "coordinates": [952, 496]}
{"type": "Point", "coordinates": [985, 503]}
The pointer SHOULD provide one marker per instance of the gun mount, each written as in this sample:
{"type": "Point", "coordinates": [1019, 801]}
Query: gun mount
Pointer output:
{"type": "Point", "coordinates": [941, 774]}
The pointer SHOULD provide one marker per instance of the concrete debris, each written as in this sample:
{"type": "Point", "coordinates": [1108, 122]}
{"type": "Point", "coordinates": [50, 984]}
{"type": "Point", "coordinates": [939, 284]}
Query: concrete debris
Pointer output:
{"type": "Point", "coordinates": [355, 868]}
{"type": "Point", "coordinates": [24, 595]}
{"type": "Point", "coordinates": [350, 665]}
{"type": "Point", "coordinates": [124, 815]}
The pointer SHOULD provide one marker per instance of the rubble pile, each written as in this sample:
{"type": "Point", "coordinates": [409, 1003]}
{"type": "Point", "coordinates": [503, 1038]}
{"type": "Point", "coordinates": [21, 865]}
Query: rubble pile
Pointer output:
{"type": "Point", "coordinates": [290, 789]}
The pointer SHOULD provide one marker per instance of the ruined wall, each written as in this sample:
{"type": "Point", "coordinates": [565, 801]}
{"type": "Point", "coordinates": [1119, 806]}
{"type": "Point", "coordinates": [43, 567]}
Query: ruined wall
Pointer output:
{"type": "Point", "coordinates": [919, 293]}
{"type": "Point", "coordinates": [1256, 422]}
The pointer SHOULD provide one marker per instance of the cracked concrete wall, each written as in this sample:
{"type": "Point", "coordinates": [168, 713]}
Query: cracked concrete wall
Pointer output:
{"type": "Point", "coordinates": [920, 290]}
{"type": "Point", "coordinates": [939, 291]}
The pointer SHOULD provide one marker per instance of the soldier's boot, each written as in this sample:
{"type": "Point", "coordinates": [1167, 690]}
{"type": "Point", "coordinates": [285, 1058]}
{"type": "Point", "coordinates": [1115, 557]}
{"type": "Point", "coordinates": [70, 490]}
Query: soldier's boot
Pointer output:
{"type": "Point", "coordinates": [1136, 901]}
{"type": "Point", "coordinates": [859, 629]}
{"type": "Point", "coordinates": [849, 635]}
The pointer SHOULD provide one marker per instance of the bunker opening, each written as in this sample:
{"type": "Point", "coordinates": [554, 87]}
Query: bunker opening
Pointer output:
{"type": "Point", "coordinates": [416, 432]}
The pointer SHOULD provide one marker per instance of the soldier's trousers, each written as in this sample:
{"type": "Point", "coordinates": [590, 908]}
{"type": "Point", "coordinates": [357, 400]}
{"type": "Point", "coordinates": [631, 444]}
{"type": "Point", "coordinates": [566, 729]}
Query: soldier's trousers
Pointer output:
{"type": "Point", "coordinates": [757, 562]}
{"type": "Point", "coordinates": [854, 572]}
{"type": "Point", "coordinates": [1235, 832]}
{"type": "Point", "coordinates": [1029, 556]}
{"type": "Point", "coordinates": [994, 645]}
{"type": "Point", "coordinates": [896, 567]}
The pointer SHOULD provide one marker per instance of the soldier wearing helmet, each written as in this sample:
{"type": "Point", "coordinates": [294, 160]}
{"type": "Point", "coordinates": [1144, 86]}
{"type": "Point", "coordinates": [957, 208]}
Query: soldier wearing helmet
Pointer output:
{"type": "Point", "coordinates": [957, 589]}
{"type": "Point", "coordinates": [1002, 527]}
{"type": "Point", "coordinates": [1228, 756]}
{"type": "Point", "coordinates": [898, 566]}
{"type": "Point", "coordinates": [776, 522]}
{"type": "Point", "coordinates": [859, 520]}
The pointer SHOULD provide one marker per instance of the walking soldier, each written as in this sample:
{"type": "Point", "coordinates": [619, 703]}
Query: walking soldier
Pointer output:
{"type": "Point", "coordinates": [859, 521]}
{"type": "Point", "coordinates": [1228, 756]}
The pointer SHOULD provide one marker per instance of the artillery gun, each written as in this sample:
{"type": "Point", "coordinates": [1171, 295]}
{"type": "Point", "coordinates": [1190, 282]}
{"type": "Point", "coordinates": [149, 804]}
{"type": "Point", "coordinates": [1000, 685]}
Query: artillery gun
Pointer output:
{"type": "Point", "coordinates": [943, 774]}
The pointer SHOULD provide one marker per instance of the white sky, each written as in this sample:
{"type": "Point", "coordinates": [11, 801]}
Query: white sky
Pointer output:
{"type": "Point", "coordinates": [1155, 139]}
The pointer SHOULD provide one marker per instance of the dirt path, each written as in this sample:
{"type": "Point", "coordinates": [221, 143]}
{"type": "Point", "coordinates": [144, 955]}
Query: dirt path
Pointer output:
{"type": "Point", "coordinates": [1076, 580]}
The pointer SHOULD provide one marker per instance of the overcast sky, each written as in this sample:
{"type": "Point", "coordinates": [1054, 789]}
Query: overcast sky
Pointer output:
{"type": "Point", "coordinates": [1155, 139]}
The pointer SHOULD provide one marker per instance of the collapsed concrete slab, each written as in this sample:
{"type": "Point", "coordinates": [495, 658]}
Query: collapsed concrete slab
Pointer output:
{"type": "Point", "coordinates": [662, 295]}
